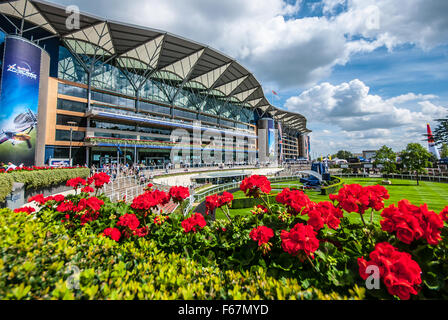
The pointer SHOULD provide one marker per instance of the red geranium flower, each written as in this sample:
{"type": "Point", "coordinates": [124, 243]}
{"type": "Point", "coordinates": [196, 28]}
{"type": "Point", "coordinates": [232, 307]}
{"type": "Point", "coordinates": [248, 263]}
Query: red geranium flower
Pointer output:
{"type": "Point", "coordinates": [294, 200]}
{"type": "Point", "coordinates": [27, 210]}
{"type": "Point", "coordinates": [40, 199]}
{"type": "Point", "coordinates": [400, 274]}
{"type": "Point", "coordinates": [113, 233]}
{"type": "Point", "coordinates": [411, 222]}
{"type": "Point", "coordinates": [255, 185]}
{"type": "Point", "coordinates": [142, 232]}
{"type": "Point", "coordinates": [190, 224]}
{"type": "Point", "coordinates": [262, 234]}
{"type": "Point", "coordinates": [301, 239]}
{"type": "Point", "coordinates": [100, 179]}
{"type": "Point", "coordinates": [130, 221]}
{"type": "Point", "coordinates": [150, 200]}
{"type": "Point", "coordinates": [323, 213]}
{"type": "Point", "coordinates": [444, 214]}
{"type": "Point", "coordinates": [179, 194]}
{"type": "Point", "coordinates": [87, 189]}
{"type": "Point", "coordinates": [76, 183]}
{"type": "Point", "coordinates": [356, 198]}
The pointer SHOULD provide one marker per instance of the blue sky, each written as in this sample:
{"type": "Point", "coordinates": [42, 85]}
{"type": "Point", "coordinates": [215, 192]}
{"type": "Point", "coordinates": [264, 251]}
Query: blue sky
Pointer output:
{"type": "Point", "coordinates": [364, 72]}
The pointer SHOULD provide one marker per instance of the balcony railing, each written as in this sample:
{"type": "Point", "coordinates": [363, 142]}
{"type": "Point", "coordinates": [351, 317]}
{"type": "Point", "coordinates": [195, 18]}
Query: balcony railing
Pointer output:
{"type": "Point", "coordinates": [118, 113]}
{"type": "Point", "coordinates": [100, 141]}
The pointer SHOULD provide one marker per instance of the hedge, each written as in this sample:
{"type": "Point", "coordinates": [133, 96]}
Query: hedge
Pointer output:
{"type": "Point", "coordinates": [242, 203]}
{"type": "Point", "coordinates": [38, 179]}
{"type": "Point", "coordinates": [337, 183]}
{"type": "Point", "coordinates": [40, 261]}
{"type": "Point", "coordinates": [6, 183]}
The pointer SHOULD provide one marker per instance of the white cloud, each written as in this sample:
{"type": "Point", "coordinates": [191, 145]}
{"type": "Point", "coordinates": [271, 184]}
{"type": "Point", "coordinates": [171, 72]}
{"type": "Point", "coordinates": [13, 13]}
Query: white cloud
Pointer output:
{"type": "Point", "coordinates": [266, 37]}
{"type": "Point", "coordinates": [361, 119]}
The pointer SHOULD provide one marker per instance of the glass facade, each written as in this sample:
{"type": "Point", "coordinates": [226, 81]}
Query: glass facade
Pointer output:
{"type": "Point", "coordinates": [64, 120]}
{"type": "Point", "coordinates": [64, 135]}
{"type": "Point", "coordinates": [160, 88]}
{"type": "Point", "coordinates": [71, 105]}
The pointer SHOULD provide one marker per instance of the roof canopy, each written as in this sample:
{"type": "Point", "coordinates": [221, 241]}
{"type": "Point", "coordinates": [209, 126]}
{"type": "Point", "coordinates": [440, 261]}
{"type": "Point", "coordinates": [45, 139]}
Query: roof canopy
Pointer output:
{"type": "Point", "coordinates": [194, 65]}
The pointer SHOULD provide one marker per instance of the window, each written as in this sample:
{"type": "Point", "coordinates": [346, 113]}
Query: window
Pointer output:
{"type": "Point", "coordinates": [111, 126]}
{"type": "Point", "coordinates": [63, 120]}
{"type": "Point", "coordinates": [69, 90]}
{"type": "Point", "coordinates": [71, 105]}
{"type": "Point", "coordinates": [114, 135]}
{"type": "Point", "coordinates": [64, 135]}
{"type": "Point", "coordinates": [146, 106]}
{"type": "Point", "coordinates": [112, 99]}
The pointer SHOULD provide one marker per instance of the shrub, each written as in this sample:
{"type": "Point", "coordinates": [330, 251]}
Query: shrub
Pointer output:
{"type": "Point", "coordinates": [40, 260]}
{"type": "Point", "coordinates": [6, 183]}
{"type": "Point", "coordinates": [336, 184]}
{"type": "Point", "coordinates": [293, 237]}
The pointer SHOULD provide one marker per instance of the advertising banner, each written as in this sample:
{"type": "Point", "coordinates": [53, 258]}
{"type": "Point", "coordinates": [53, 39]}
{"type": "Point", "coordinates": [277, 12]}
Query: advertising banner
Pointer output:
{"type": "Point", "coordinates": [271, 140]}
{"type": "Point", "coordinates": [19, 100]}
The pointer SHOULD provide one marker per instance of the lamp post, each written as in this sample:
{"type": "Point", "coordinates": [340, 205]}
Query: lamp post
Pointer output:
{"type": "Point", "coordinates": [71, 124]}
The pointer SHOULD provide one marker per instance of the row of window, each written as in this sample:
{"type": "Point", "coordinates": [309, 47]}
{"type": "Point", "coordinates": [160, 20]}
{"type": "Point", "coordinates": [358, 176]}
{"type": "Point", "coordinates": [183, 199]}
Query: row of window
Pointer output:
{"type": "Point", "coordinates": [129, 103]}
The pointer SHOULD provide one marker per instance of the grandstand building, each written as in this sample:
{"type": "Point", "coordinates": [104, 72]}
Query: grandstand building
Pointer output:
{"type": "Point", "coordinates": [118, 90]}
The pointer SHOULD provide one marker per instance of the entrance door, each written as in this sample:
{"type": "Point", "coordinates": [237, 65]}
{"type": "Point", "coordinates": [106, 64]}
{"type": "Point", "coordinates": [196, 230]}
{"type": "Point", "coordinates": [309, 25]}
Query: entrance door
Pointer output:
{"type": "Point", "coordinates": [108, 160]}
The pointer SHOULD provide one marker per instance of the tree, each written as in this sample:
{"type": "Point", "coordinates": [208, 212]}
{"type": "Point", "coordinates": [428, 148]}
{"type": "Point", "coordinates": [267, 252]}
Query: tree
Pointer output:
{"type": "Point", "coordinates": [441, 132]}
{"type": "Point", "coordinates": [415, 158]}
{"type": "Point", "coordinates": [386, 157]}
{"type": "Point", "coordinates": [444, 151]}
{"type": "Point", "coordinates": [343, 154]}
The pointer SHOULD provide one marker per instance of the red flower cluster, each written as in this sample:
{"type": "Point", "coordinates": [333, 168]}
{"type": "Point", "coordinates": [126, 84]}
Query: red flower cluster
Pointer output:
{"type": "Point", "coordinates": [76, 183]}
{"type": "Point", "coordinates": [130, 221]}
{"type": "Point", "coordinates": [149, 200]}
{"type": "Point", "coordinates": [255, 185]}
{"type": "Point", "coordinates": [179, 194]}
{"type": "Point", "coordinates": [87, 189]}
{"type": "Point", "coordinates": [100, 179]}
{"type": "Point", "coordinates": [190, 224]}
{"type": "Point", "coordinates": [261, 234]}
{"type": "Point", "coordinates": [411, 222]}
{"type": "Point", "coordinates": [323, 213]}
{"type": "Point", "coordinates": [399, 272]}
{"type": "Point", "coordinates": [113, 233]}
{"type": "Point", "coordinates": [28, 210]}
{"type": "Point", "coordinates": [294, 200]}
{"type": "Point", "coordinates": [444, 214]}
{"type": "Point", "coordinates": [300, 239]}
{"type": "Point", "coordinates": [216, 201]}
{"type": "Point", "coordinates": [356, 198]}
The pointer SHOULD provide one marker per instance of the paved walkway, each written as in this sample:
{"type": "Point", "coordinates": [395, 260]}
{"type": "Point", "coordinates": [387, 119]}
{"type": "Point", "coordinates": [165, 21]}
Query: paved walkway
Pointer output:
{"type": "Point", "coordinates": [184, 180]}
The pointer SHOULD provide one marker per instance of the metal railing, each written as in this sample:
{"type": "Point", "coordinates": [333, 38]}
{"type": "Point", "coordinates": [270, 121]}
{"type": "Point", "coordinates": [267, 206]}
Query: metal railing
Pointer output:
{"type": "Point", "coordinates": [442, 179]}
{"type": "Point", "coordinates": [200, 197]}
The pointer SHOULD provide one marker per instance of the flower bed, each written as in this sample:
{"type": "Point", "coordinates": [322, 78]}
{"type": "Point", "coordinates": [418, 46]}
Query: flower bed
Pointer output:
{"type": "Point", "coordinates": [85, 266]}
{"type": "Point", "coordinates": [292, 237]}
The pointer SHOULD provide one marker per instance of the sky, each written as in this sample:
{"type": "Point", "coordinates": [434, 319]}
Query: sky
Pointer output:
{"type": "Point", "coordinates": [365, 73]}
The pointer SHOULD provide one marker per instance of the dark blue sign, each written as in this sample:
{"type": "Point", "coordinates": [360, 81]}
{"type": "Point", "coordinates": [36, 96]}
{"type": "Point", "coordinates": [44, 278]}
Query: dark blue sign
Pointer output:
{"type": "Point", "coordinates": [19, 100]}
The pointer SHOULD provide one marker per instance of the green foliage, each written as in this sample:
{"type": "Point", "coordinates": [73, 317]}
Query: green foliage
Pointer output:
{"type": "Point", "coordinates": [441, 132]}
{"type": "Point", "coordinates": [444, 151]}
{"type": "Point", "coordinates": [39, 260]}
{"type": "Point", "coordinates": [387, 158]}
{"type": "Point", "coordinates": [240, 203]}
{"type": "Point", "coordinates": [415, 158]}
{"type": "Point", "coordinates": [336, 184]}
{"type": "Point", "coordinates": [38, 179]}
{"type": "Point", "coordinates": [343, 154]}
{"type": "Point", "coordinates": [6, 183]}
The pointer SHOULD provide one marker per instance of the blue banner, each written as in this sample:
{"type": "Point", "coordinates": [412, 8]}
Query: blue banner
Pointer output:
{"type": "Point", "coordinates": [19, 101]}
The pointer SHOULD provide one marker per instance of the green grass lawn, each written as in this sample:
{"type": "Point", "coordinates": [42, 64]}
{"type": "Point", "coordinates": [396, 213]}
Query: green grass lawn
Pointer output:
{"type": "Point", "coordinates": [433, 193]}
